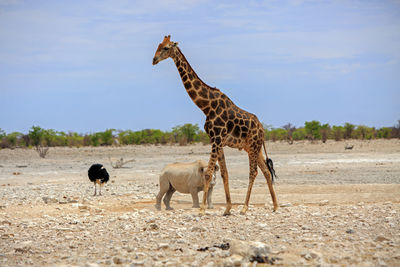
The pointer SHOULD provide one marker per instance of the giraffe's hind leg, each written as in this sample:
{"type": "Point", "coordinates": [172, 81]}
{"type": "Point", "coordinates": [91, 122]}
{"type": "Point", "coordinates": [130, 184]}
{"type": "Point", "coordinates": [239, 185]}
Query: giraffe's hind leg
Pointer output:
{"type": "Point", "coordinates": [252, 177]}
{"type": "Point", "coordinates": [267, 175]}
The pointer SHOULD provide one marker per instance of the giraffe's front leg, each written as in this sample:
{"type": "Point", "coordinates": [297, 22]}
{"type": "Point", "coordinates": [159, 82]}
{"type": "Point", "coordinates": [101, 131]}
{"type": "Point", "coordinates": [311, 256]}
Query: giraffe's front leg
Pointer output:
{"type": "Point", "coordinates": [208, 177]}
{"type": "Point", "coordinates": [224, 174]}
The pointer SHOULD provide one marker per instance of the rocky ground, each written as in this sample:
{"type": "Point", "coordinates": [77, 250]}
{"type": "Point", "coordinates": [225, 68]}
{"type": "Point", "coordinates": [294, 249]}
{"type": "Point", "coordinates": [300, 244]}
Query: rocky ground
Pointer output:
{"type": "Point", "coordinates": [337, 207]}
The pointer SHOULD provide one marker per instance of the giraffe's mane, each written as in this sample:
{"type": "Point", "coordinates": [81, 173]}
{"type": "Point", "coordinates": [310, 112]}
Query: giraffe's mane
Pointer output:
{"type": "Point", "coordinates": [180, 51]}
{"type": "Point", "coordinates": [197, 76]}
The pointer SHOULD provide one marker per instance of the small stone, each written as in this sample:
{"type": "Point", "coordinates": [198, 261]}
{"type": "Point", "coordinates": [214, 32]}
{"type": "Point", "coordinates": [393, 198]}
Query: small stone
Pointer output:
{"type": "Point", "coordinates": [154, 226]}
{"type": "Point", "coordinates": [123, 217]}
{"type": "Point", "coordinates": [118, 260]}
{"type": "Point", "coordinates": [49, 200]}
{"type": "Point", "coordinates": [234, 260]}
{"type": "Point", "coordinates": [311, 255]}
{"type": "Point", "coordinates": [83, 207]}
{"type": "Point", "coordinates": [334, 259]}
{"type": "Point", "coordinates": [324, 202]}
{"type": "Point", "coordinates": [198, 229]}
{"type": "Point", "coordinates": [285, 205]}
{"type": "Point", "coordinates": [23, 246]}
{"type": "Point", "coordinates": [381, 239]}
{"type": "Point", "coordinates": [350, 231]}
{"type": "Point", "coordinates": [163, 245]}
{"type": "Point", "coordinates": [249, 249]}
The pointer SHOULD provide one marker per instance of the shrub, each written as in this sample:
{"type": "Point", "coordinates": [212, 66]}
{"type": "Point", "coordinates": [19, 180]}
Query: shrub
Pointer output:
{"type": "Point", "coordinates": [384, 132]}
{"type": "Point", "coordinates": [278, 134]}
{"type": "Point", "coordinates": [324, 131]}
{"type": "Point", "coordinates": [187, 130]}
{"type": "Point", "coordinates": [299, 134]}
{"type": "Point", "coordinates": [2, 134]}
{"type": "Point", "coordinates": [36, 135]}
{"type": "Point", "coordinates": [338, 132]}
{"type": "Point", "coordinates": [95, 139]}
{"type": "Point", "coordinates": [348, 128]}
{"type": "Point", "coordinates": [313, 129]}
{"type": "Point", "coordinates": [106, 137]}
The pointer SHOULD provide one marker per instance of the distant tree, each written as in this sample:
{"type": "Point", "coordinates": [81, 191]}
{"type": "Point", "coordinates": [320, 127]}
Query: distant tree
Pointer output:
{"type": "Point", "coordinates": [2, 133]}
{"type": "Point", "coordinates": [324, 131]}
{"type": "Point", "coordinates": [11, 140]}
{"type": "Point", "coordinates": [396, 130]}
{"type": "Point", "coordinates": [349, 128]}
{"type": "Point", "coordinates": [313, 129]}
{"type": "Point", "coordinates": [299, 134]}
{"type": "Point", "coordinates": [278, 134]}
{"type": "Point", "coordinates": [290, 128]}
{"type": "Point", "coordinates": [36, 135]}
{"type": "Point", "coordinates": [202, 137]}
{"type": "Point", "coordinates": [384, 132]}
{"type": "Point", "coordinates": [364, 132]}
{"type": "Point", "coordinates": [188, 131]}
{"type": "Point", "coordinates": [106, 137]}
{"type": "Point", "coordinates": [338, 132]}
{"type": "Point", "coordinates": [95, 139]}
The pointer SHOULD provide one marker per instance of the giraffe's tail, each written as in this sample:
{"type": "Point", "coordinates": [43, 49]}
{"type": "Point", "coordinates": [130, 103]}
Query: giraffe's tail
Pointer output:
{"type": "Point", "coordinates": [270, 164]}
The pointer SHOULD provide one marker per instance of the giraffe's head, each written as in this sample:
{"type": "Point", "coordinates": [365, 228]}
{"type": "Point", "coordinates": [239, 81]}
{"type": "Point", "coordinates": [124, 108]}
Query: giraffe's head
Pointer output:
{"type": "Point", "coordinates": [164, 50]}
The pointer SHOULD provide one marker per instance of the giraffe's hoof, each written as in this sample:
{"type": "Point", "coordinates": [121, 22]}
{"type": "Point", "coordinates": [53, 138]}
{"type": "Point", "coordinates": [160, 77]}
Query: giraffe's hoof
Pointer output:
{"type": "Point", "coordinates": [227, 212]}
{"type": "Point", "coordinates": [202, 212]}
{"type": "Point", "coordinates": [243, 211]}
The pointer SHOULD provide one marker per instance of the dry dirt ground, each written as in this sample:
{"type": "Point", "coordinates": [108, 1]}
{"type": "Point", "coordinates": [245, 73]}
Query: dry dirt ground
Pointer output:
{"type": "Point", "coordinates": [337, 208]}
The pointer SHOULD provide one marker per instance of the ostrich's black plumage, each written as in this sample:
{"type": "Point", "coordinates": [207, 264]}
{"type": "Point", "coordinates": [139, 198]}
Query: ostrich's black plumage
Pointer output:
{"type": "Point", "coordinates": [98, 175]}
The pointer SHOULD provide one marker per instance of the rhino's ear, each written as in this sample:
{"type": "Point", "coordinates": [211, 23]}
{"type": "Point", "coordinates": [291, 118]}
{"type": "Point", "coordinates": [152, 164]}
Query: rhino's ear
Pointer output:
{"type": "Point", "coordinates": [201, 169]}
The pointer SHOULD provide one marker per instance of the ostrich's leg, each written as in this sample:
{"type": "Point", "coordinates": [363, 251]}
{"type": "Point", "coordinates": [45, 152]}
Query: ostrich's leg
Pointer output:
{"type": "Point", "coordinates": [95, 189]}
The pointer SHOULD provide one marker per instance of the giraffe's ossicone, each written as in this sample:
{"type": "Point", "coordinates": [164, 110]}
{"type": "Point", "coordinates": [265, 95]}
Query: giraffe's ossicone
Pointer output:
{"type": "Point", "coordinates": [226, 124]}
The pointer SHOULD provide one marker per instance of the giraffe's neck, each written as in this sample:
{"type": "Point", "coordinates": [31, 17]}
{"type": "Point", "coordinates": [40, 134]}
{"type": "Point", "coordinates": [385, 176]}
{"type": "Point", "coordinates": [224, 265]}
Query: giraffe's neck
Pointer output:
{"type": "Point", "coordinates": [199, 92]}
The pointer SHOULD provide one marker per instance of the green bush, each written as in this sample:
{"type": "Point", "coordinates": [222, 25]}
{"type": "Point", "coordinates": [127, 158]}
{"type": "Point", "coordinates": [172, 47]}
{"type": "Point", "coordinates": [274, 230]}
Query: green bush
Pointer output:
{"type": "Point", "coordinates": [337, 133]}
{"type": "Point", "coordinates": [188, 131]}
{"type": "Point", "coordinates": [313, 129]}
{"type": "Point", "coordinates": [106, 137]}
{"type": "Point", "coordinates": [299, 134]}
{"type": "Point", "coordinates": [384, 132]}
{"type": "Point", "coordinates": [348, 130]}
{"type": "Point", "coordinates": [36, 135]}
{"type": "Point", "coordinates": [2, 134]}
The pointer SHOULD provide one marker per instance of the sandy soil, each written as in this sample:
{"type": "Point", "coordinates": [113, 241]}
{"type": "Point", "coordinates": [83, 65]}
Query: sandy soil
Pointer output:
{"type": "Point", "coordinates": [338, 207]}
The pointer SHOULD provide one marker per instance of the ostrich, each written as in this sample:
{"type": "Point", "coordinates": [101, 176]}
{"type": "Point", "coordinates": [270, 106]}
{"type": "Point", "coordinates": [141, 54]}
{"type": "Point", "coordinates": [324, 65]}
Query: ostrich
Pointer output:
{"type": "Point", "coordinates": [98, 175]}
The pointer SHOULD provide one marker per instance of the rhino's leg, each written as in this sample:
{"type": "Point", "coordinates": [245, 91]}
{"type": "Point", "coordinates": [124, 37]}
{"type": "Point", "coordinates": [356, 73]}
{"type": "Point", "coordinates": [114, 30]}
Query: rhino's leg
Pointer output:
{"type": "Point", "coordinates": [195, 197]}
{"type": "Point", "coordinates": [168, 196]}
{"type": "Point", "coordinates": [164, 187]}
{"type": "Point", "coordinates": [209, 196]}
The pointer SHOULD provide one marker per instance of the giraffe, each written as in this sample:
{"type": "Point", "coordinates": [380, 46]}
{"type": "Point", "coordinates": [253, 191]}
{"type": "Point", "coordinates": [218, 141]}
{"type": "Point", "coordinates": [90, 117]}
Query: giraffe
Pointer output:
{"type": "Point", "coordinates": [226, 125]}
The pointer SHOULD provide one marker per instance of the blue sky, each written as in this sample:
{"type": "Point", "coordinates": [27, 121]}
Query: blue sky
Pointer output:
{"type": "Point", "coordinates": [86, 66]}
